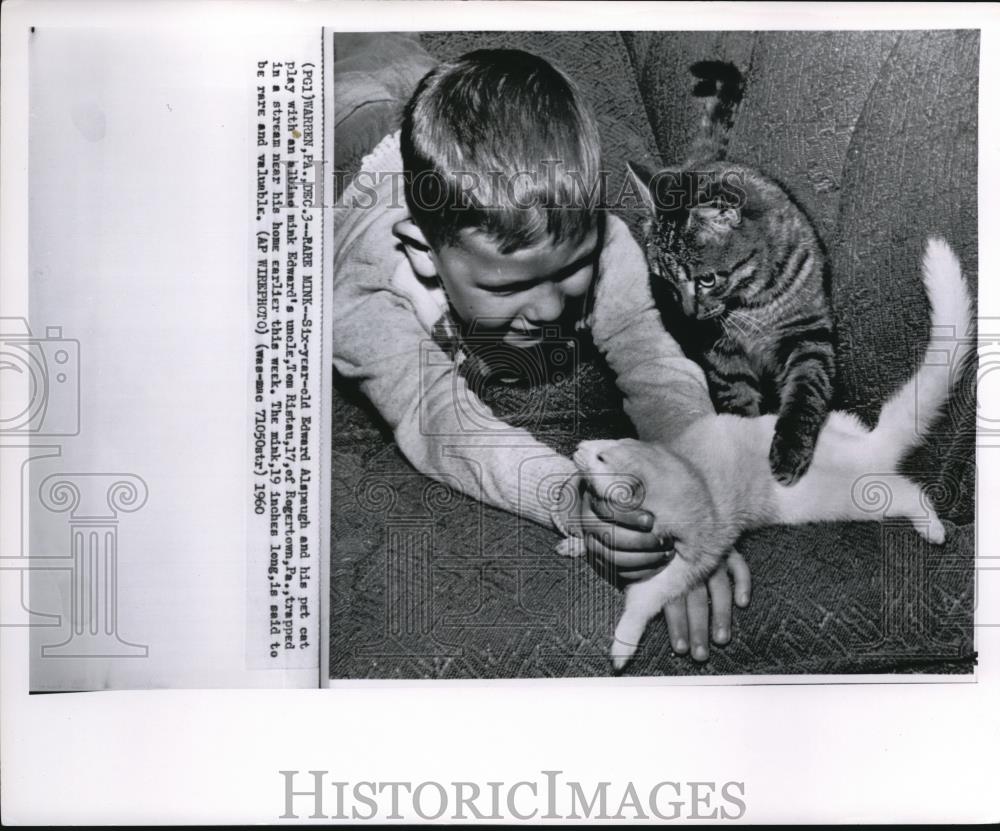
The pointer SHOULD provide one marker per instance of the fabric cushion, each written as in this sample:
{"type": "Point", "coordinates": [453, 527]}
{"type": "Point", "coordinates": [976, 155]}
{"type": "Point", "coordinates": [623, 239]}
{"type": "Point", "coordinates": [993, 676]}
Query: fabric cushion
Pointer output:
{"type": "Point", "coordinates": [377, 73]}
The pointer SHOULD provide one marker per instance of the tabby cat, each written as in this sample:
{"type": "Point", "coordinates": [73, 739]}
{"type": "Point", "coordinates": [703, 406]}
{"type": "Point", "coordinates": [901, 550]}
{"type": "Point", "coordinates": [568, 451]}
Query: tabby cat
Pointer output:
{"type": "Point", "coordinates": [749, 281]}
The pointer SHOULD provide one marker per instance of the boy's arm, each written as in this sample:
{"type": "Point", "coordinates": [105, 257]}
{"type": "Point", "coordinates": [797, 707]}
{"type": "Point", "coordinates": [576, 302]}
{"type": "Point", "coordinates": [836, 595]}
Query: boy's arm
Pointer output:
{"type": "Point", "coordinates": [664, 391]}
{"type": "Point", "coordinates": [380, 338]}
{"type": "Point", "coordinates": [440, 425]}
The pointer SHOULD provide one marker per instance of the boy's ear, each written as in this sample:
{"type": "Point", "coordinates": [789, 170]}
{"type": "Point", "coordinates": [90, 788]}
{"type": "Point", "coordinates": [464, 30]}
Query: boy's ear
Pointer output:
{"type": "Point", "coordinates": [418, 250]}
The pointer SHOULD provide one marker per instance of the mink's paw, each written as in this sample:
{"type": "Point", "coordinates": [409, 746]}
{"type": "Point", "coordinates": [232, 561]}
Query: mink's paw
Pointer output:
{"type": "Point", "coordinates": [571, 547]}
{"type": "Point", "coordinates": [621, 654]}
{"type": "Point", "coordinates": [790, 459]}
{"type": "Point", "coordinates": [933, 532]}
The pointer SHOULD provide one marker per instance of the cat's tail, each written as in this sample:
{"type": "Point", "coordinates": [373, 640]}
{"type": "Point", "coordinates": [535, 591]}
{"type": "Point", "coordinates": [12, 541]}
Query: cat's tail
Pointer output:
{"type": "Point", "coordinates": [721, 84]}
{"type": "Point", "coordinates": [908, 415]}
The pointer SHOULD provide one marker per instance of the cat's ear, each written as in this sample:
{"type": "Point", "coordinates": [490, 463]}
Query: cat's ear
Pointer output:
{"type": "Point", "coordinates": [642, 177]}
{"type": "Point", "coordinates": [720, 219]}
{"type": "Point", "coordinates": [665, 191]}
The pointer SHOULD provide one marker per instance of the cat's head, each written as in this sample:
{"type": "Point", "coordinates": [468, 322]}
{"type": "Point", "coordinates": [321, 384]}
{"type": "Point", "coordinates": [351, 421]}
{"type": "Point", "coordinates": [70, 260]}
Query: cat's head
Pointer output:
{"type": "Point", "coordinates": [663, 483]}
{"type": "Point", "coordinates": [701, 234]}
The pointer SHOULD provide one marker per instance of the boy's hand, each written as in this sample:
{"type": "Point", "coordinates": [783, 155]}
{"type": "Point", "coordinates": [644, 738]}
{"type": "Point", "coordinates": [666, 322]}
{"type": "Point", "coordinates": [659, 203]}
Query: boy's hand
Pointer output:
{"type": "Point", "coordinates": [622, 539]}
{"type": "Point", "coordinates": [688, 618]}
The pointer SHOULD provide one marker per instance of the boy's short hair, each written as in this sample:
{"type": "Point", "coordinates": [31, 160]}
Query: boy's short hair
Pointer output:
{"type": "Point", "coordinates": [501, 141]}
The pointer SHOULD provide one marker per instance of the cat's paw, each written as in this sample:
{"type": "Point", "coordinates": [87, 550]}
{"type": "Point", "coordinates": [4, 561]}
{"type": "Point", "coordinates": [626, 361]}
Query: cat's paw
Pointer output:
{"type": "Point", "coordinates": [571, 547]}
{"type": "Point", "coordinates": [789, 459]}
{"type": "Point", "coordinates": [743, 401]}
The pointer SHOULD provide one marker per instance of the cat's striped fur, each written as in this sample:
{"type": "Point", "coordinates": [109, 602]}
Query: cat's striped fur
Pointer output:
{"type": "Point", "coordinates": [748, 275]}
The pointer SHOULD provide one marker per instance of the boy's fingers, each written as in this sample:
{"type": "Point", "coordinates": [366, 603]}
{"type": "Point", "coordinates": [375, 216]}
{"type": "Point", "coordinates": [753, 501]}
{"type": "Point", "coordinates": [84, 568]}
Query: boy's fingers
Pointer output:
{"type": "Point", "coordinates": [677, 624]}
{"type": "Point", "coordinates": [609, 547]}
{"type": "Point", "coordinates": [636, 519]}
{"type": "Point", "coordinates": [697, 615]}
{"type": "Point", "coordinates": [619, 537]}
{"type": "Point", "coordinates": [623, 490]}
{"type": "Point", "coordinates": [740, 571]}
{"type": "Point", "coordinates": [632, 574]}
{"type": "Point", "coordinates": [721, 593]}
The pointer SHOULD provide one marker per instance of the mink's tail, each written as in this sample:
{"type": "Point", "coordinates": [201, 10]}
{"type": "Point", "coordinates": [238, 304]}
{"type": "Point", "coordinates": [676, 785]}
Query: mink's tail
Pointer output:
{"type": "Point", "coordinates": [907, 416]}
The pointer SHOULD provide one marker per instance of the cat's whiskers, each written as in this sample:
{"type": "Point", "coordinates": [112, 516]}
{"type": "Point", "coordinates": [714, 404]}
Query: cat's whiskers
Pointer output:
{"type": "Point", "coordinates": [740, 325]}
{"type": "Point", "coordinates": [731, 326]}
{"type": "Point", "coordinates": [744, 324]}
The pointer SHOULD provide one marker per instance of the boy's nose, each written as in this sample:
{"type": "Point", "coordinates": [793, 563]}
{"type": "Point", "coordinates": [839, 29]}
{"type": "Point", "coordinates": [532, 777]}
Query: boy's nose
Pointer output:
{"type": "Point", "coordinates": [546, 307]}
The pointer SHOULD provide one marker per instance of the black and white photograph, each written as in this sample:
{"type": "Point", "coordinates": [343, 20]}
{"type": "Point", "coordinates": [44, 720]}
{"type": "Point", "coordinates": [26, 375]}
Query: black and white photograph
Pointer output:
{"type": "Point", "coordinates": [654, 353]}
{"type": "Point", "coordinates": [476, 411]}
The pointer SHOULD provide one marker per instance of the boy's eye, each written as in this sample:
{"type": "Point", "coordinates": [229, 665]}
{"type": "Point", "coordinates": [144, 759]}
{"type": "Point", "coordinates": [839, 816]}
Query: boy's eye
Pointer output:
{"type": "Point", "coordinates": [507, 291]}
{"type": "Point", "coordinates": [526, 285]}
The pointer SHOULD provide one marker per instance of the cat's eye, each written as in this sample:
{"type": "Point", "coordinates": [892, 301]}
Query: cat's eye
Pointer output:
{"type": "Point", "coordinates": [706, 281]}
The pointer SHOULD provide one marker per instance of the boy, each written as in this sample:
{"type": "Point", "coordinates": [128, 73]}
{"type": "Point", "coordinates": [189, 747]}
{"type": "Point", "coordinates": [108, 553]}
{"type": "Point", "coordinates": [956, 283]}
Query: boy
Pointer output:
{"type": "Point", "coordinates": [495, 237]}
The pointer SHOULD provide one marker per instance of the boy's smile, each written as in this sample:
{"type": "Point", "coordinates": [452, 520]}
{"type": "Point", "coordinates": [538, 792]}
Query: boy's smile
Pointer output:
{"type": "Point", "coordinates": [517, 293]}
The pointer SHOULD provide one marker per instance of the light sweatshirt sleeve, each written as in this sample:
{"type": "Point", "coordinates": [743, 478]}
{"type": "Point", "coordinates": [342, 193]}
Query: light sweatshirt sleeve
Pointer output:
{"type": "Point", "coordinates": [440, 425]}
{"type": "Point", "coordinates": [443, 429]}
{"type": "Point", "coordinates": [663, 390]}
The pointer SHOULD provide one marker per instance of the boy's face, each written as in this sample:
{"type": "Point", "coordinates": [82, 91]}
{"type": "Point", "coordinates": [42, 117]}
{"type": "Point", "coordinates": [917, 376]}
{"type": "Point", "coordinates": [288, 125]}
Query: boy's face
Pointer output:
{"type": "Point", "coordinates": [515, 294]}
